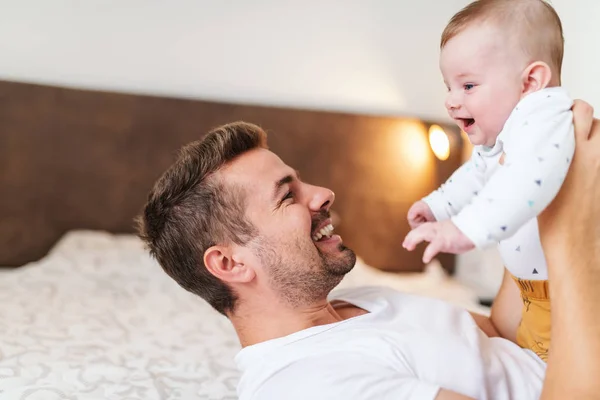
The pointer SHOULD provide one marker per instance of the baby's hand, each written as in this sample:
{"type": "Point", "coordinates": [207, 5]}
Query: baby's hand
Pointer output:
{"type": "Point", "coordinates": [419, 213]}
{"type": "Point", "coordinates": [442, 236]}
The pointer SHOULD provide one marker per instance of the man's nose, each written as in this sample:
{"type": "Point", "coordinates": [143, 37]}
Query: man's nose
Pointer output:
{"type": "Point", "coordinates": [322, 199]}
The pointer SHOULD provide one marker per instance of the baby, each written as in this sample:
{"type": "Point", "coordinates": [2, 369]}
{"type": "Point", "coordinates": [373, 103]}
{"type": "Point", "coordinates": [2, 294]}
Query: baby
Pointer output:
{"type": "Point", "coordinates": [501, 62]}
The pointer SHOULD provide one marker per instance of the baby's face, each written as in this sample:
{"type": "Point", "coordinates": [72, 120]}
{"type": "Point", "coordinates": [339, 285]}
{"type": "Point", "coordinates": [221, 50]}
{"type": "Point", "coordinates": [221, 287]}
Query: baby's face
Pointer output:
{"type": "Point", "coordinates": [483, 77]}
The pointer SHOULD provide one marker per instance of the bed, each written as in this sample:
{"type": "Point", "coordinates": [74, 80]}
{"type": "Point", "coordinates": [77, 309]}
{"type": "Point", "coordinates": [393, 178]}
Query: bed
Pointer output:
{"type": "Point", "coordinates": [87, 314]}
{"type": "Point", "coordinates": [97, 318]}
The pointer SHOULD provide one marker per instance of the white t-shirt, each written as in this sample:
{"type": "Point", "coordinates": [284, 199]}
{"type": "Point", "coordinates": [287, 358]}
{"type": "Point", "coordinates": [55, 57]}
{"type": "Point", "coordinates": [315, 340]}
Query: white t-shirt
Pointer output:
{"type": "Point", "coordinates": [406, 347]}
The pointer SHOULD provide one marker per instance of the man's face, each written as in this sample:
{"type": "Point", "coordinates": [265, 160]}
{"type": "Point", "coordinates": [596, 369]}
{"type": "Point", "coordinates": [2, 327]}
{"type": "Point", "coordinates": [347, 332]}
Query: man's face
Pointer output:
{"type": "Point", "coordinates": [299, 256]}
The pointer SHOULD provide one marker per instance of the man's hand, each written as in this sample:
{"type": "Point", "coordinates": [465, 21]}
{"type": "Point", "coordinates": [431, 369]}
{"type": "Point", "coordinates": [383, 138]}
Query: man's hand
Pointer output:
{"type": "Point", "coordinates": [442, 236]}
{"type": "Point", "coordinates": [419, 213]}
{"type": "Point", "coordinates": [571, 241]}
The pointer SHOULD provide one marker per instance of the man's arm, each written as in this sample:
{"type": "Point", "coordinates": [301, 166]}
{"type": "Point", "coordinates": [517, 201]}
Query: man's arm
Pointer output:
{"type": "Point", "coordinates": [506, 309]}
{"type": "Point", "coordinates": [447, 395]}
{"type": "Point", "coordinates": [505, 316]}
{"type": "Point", "coordinates": [485, 324]}
{"type": "Point", "coordinates": [571, 242]}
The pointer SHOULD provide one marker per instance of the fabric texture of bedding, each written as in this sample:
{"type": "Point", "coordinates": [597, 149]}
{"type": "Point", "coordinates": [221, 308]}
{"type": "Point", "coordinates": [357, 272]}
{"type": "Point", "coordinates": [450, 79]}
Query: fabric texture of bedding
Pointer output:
{"type": "Point", "coordinates": [97, 318]}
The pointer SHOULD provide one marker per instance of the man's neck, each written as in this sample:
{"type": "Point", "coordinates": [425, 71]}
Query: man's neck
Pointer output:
{"type": "Point", "coordinates": [258, 324]}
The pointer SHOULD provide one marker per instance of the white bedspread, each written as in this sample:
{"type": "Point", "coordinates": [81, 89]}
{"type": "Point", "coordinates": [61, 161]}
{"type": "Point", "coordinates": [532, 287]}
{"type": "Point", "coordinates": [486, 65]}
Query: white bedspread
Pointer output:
{"type": "Point", "coordinates": [98, 319]}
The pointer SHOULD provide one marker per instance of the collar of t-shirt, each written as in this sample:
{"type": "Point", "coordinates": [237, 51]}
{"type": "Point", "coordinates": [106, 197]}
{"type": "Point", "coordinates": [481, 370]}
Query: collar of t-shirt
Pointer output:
{"type": "Point", "coordinates": [246, 357]}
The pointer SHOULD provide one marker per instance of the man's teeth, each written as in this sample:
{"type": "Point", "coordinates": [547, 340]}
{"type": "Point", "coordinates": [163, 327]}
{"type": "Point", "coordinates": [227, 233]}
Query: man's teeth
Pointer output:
{"type": "Point", "coordinates": [325, 231]}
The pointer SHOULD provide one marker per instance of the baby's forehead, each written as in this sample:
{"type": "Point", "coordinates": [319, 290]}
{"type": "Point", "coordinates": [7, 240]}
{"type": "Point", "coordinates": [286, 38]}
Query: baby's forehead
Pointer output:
{"type": "Point", "coordinates": [487, 33]}
{"type": "Point", "coordinates": [496, 44]}
{"type": "Point", "coordinates": [481, 40]}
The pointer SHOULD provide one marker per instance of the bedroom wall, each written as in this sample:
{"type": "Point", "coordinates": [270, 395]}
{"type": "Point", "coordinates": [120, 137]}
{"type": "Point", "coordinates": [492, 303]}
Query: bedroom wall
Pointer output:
{"type": "Point", "coordinates": [349, 55]}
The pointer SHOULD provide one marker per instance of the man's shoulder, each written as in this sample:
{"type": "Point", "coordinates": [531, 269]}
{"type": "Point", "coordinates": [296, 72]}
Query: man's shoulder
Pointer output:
{"type": "Point", "coordinates": [334, 374]}
{"type": "Point", "coordinates": [377, 298]}
{"type": "Point", "coordinates": [364, 293]}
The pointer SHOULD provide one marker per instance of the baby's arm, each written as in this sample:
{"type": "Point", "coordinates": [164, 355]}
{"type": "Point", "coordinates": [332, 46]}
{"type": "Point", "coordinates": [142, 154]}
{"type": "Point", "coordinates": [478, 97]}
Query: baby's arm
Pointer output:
{"type": "Point", "coordinates": [539, 144]}
{"type": "Point", "coordinates": [458, 190]}
{"type": "Point", "coordinates": [445, 202]}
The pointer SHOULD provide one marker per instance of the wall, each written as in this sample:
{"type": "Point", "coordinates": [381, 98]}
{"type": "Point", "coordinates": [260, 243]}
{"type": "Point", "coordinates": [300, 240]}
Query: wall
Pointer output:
{"type": "Point", "coordinates": [582, 48]}
{"type": "Point", "coordinates": [374, 57]}
{"type": "Point", "coordinates": [345, 55]}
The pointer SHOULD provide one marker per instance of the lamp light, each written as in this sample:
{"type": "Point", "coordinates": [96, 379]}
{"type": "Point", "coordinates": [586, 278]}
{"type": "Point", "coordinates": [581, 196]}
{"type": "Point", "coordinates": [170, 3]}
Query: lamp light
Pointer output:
{"type": "Point", "coordinates": [439, 142]}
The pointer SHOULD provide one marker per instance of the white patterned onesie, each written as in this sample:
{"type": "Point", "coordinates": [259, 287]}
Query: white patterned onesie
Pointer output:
{"type": "Point", "coordinates": [492, 203]}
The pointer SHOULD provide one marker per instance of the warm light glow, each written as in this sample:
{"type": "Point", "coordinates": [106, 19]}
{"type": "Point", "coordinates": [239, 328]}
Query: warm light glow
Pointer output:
{"type": "Point", "coordinates": [439, 142]}
{"type": "Point", "coordinates": [414, 150]}
{"type": "Point", "coordinates": [411, 161]}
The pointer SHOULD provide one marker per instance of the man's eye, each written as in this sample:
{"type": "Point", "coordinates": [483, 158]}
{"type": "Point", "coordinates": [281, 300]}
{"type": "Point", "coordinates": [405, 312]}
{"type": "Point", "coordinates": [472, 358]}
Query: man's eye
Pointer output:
{"type": "Point", "coordinates": [289, 195]}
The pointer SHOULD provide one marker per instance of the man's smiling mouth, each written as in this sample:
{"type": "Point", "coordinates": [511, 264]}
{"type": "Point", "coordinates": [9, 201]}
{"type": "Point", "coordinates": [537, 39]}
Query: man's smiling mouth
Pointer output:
{"type": "Point", "coordinates": [323, 233]}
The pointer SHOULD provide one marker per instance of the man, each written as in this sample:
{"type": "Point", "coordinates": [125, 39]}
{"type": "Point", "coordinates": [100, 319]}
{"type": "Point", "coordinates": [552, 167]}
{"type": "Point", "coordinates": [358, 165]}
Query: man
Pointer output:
{"type": "Point", "coordinates": [232, 223]}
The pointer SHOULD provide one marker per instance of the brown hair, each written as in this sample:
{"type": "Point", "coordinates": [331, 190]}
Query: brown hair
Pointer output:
{"type": "Point", "coordinates": [190, 209]}
{"type": "Point", "coordinates": [535, 24]}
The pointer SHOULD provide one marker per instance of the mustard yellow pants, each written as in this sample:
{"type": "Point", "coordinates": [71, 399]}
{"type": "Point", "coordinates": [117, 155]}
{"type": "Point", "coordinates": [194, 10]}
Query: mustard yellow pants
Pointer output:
{"type": "Point", "coordinates": [534, 331]}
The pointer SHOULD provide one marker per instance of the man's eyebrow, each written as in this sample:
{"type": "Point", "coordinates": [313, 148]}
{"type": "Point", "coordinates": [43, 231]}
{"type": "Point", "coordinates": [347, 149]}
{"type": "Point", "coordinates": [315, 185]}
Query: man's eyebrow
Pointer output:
{"type": "Point", "coordinates": [284, 181]}
{"type": "Point", "coordinates": [280, 183]}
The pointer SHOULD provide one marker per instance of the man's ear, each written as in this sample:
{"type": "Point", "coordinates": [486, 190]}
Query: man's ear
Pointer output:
{"type": "Point", "coordinates": [535, 77]}
{"type": "Point", "coordinates": [227, 265]}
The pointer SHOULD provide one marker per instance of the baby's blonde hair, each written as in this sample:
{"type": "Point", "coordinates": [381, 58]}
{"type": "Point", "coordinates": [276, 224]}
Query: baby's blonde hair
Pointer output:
{"type": "Point", "coordinates": [533, 23]}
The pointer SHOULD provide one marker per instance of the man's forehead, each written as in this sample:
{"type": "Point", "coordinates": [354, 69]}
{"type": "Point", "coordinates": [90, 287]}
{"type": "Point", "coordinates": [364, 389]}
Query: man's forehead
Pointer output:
{"type": "Point", "coordinates": [257, 167]}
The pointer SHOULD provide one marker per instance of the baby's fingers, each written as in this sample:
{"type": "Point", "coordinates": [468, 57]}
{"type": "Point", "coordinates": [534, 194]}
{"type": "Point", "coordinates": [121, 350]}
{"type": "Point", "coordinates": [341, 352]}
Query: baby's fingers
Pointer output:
{"type": "Point", "coordinates": [431, 251]}
{"type": "Point", "coordinates": [424, 232]}
{"type": "Point", "coordinates": [416, 221]}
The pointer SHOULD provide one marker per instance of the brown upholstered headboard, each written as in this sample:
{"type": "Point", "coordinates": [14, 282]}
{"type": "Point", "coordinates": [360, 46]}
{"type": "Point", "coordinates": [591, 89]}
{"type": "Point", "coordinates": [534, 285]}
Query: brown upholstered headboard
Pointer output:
{"type": "Point", "coordinates": [78, 159]}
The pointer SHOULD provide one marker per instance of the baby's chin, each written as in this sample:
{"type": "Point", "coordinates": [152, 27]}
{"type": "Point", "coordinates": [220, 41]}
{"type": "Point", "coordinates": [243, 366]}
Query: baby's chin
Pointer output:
{"type": "Point", "coordinates": [480, 139]}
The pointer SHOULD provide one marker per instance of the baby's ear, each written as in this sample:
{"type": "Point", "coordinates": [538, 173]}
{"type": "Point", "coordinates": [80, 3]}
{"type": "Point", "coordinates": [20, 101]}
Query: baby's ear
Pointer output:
{"type": "Point", "coordinates": [535, 77]}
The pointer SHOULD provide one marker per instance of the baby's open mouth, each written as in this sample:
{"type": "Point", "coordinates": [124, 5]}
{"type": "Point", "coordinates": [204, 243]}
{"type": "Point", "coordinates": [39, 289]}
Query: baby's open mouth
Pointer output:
{"type": "Point", "coordinates": [467, 122]}
{"type": "Point", "coordinates": [323, 233]}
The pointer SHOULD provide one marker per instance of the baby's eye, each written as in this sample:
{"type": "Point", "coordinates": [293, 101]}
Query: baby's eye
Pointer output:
{"type": "Point", "coordinates": [469, 86]}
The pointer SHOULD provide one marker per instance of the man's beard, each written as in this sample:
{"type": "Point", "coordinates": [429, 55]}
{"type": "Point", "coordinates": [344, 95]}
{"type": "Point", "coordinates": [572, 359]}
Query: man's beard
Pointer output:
{"type": "Point", "coordinates": [304, 276]}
